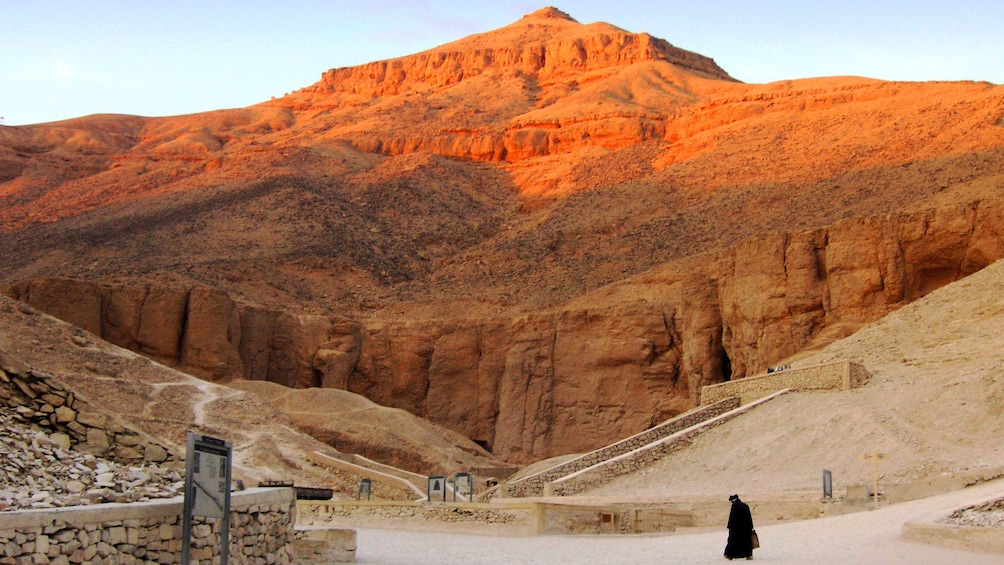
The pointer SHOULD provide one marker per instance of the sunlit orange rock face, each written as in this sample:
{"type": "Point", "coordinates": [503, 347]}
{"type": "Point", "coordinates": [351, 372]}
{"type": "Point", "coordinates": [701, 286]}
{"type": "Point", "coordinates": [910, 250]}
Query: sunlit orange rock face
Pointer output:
{"type": "Point", "coordinates": [546, 237]}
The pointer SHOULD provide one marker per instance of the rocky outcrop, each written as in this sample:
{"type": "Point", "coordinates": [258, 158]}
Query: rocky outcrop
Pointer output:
{"type": "Point", "coordinates": [544, 50]}
{"type": "Point", "coordinates": [548, 54]}
{"type": "Point", "coordinates": [571, 379]}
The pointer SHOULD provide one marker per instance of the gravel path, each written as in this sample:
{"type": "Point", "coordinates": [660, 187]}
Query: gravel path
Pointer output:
{"type": "Point", "coordinates": [864, 537]}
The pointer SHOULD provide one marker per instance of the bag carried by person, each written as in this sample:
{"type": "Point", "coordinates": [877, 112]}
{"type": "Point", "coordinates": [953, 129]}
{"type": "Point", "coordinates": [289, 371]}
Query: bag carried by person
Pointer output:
{"type": "Point", "coordinates": [754, 540]}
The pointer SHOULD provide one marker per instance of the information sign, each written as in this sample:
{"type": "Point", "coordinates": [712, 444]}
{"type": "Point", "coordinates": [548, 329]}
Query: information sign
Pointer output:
{"type": "Point", "coordinates": [437, 487]}
{"type": "Point", "coordinates": [207, 489]}
{"type": "Point", "coordinates": [462, 486]}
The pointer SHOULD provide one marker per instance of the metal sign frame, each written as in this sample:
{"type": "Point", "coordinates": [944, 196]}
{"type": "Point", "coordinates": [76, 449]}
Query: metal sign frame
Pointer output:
{"type": "Point", "coordinates": [436, 483]}
{"type": "Point", "coordinates": [208, 463]}
{"type": "Point", "coordinates": [463, 485]}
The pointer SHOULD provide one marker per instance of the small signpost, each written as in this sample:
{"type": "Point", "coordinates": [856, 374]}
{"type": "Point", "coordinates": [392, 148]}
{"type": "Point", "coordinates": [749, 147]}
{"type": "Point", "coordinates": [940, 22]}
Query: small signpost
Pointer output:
{"type": "Point", "coordinates": [365, 486]}
{"type": "Point", "coordinates": [463, 485]}
{"type": "Point", "coordinates": [875, 459]}
{"type": "Point", "coordinates": [827, 484]}
{"type": "Point", "coordinates": [437, 486]}
{"type": "Point", "coordinates": [207, 489]}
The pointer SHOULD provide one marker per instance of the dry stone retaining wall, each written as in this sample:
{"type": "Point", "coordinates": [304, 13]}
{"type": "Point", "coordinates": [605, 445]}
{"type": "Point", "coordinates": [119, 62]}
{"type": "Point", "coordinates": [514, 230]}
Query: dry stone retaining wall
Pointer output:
{"type": "Point", "coordinates": [640, 458]}
{"type": "Point", "coordinates": [841, 375]}
{"type": "Point", "coordinates": [261, 532]}
{"type": "Point", "coordinates": [44, 400]}
{"type": "Point", "coordinates": [534, 485]}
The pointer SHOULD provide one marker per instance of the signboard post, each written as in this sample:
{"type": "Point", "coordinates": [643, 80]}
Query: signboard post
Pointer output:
{"type": "Point", "coordinates": [207, 490]}
{"type": "Point", "coordinates": [463, 484]}
{"type": "Point", "coordinates": [437, 486]}
{"type": "Point", "coordinates": [875, 459]}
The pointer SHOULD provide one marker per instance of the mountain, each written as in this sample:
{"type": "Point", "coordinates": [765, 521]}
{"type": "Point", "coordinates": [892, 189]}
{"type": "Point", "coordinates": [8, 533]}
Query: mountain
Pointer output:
{"type": "Point", "coordinates": [544, 237]}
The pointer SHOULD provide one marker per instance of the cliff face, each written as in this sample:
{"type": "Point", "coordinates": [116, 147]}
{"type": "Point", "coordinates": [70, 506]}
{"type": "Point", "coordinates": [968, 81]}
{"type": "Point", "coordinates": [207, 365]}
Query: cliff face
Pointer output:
{"type": "Point", "coordinates": [573, 378]}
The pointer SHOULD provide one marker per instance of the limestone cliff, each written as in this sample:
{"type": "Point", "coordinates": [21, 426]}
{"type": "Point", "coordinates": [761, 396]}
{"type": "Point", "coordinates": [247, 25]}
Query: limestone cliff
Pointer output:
{"type": "Point", "coordinates": [572, 378]}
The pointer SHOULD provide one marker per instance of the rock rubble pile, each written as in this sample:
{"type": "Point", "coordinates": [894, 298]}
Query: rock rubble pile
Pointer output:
{"type": "Point", "coordinates": [40, 470]}
{"type": "Point", "coordinates": [990, 515]}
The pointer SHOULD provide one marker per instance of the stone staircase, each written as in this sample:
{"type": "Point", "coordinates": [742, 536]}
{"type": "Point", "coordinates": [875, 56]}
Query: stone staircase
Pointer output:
{"type": "Point", "coordinates": [535, 485]}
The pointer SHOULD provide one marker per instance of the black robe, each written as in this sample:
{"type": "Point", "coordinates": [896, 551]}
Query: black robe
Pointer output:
{"type": "Point", "coordinates": [740, 531]}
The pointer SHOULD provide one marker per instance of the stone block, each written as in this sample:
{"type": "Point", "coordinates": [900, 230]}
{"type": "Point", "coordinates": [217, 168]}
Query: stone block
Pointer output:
{"type": "Point", "coordinates": [53, 399]}
{"type": "Point", "coordinates": [155, 453]}
{"type": "Point", "coordinates": [93, 419]}
{"type": "Point", "coordinates": [97, 441]}
{"type": "Point", "coordinates": [65, 415]}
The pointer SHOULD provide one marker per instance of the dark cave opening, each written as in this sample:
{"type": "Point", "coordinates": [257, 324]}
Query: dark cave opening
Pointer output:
{"type": "Point", "coordinates": [725, 365]}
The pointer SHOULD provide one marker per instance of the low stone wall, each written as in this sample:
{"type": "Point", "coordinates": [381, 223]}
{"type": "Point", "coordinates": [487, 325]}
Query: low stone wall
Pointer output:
{"type": "Point", "coordinates": [261, 531]}
{"type": "Point", "coordinates": [640, 458]}
{"type": "Point", "coordinates": [554, 516]}
{"type": "Point", "coordinates": [44, 400]}
{"type": "Point", "coordinates": [384, 485]}
{"type": "Point", "coordinates": [497, 519]}
{"type": "Point", "coordinates": [840, 375]}
{"type": "Point", "coordinates": [534, 485]}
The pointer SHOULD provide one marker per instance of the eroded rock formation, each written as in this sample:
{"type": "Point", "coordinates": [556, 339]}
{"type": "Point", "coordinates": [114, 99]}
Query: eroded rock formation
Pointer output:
{"type": "Point", "coordinates": [571, 378]}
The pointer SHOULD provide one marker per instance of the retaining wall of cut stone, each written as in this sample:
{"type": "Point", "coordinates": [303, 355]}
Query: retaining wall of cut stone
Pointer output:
{"type": "Point", "coordinates": [534, 484]}
{"type": "Point", "coordinates": [840, 375]}
{"type": "Point", "coordinates": [640, 458]}
{"type": "Point", "coordinates": [149, 533]}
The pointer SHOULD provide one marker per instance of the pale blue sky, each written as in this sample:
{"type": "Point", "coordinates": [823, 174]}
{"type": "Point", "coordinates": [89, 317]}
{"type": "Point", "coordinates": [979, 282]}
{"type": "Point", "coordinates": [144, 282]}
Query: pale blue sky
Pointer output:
{"type": "Point", "coordinates": [63, 59]}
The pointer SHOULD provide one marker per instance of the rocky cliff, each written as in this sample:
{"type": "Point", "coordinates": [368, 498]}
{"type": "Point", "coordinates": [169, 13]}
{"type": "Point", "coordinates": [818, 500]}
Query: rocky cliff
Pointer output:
{"type": "Point", "coordinates": [575, 377]}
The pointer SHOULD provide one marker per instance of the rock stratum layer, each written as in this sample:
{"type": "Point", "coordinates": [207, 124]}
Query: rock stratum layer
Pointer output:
{"type": "Point", "coordinates": [544, 237]}
{"type": "Point", "coordinates": [571, 378]}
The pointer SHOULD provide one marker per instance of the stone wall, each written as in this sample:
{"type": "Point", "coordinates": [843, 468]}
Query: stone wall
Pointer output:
{"type": "Point", "coordinates": [604, 472]}
{"type": "Point", "coordinates": [385, 486]}
{"type": "Point", "coordinates": [496, 519]}
{"type": "Point", "coordinates": [261, 531]}
{"type": "Point", "coordinates": [534, 485]}
{"type": "Point", "coordinates": [44, 400]}
{"type": "Point", "coordinates": [841, 375]}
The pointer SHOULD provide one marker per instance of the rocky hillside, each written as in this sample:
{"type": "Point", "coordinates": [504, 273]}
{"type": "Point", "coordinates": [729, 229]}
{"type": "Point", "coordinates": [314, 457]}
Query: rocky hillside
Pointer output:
{"type": "Point", "coordinates": [543, 237]}
{"type": "Point", "coordinates": [131, 401]}
{"type": "Point", "coordinates": [934, 405]}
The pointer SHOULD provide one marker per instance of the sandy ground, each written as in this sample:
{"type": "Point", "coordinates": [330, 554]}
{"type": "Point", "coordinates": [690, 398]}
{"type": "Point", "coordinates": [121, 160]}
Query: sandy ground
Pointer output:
{"type": "Point", "coordinates": [864, 537]}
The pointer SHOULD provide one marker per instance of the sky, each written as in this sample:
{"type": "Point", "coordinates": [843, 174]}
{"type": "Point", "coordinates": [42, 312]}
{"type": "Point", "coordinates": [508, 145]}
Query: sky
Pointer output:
{"type": "Point", "coordinates": [64, 59]}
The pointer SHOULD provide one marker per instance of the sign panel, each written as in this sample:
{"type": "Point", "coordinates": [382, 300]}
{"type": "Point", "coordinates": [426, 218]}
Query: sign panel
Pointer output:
{"type": "Point", "coordinates": [210, 480]}
{"type": "Point", "coordinates": [365, 486]}
{"type": "Point", "coordinates": [463, 486]}
{"type": "Point", "coordinates": [437, 487]}
{"type": "Point", "coordinates": [207, 489]}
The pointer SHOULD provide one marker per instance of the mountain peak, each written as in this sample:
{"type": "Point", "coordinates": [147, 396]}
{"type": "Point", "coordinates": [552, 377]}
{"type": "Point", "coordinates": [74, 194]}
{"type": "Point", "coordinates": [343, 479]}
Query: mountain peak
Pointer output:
{"type": "Point", "coordinates": [550, 12]}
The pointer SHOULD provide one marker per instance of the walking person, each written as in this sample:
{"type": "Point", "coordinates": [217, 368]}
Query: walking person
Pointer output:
{"type": "Point", "coordinates": [741, 531]}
